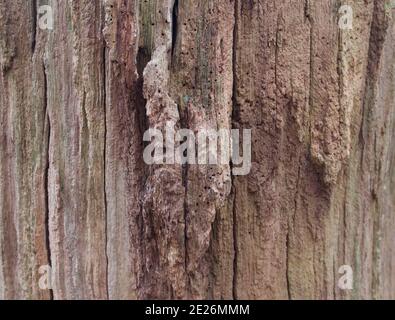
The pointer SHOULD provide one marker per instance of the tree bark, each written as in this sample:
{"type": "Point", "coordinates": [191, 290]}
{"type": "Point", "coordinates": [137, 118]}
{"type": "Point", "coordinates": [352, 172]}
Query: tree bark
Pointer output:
{"type": "Point", "coordinates": [76, 194]}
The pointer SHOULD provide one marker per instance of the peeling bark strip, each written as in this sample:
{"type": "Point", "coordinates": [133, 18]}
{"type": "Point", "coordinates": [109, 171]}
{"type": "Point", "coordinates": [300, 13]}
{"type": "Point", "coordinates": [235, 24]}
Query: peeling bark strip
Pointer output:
{"type": "Point", "coordinates": [76, 195]}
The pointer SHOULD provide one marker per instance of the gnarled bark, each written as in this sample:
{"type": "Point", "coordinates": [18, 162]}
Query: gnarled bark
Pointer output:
{"type": "Point", "coordinates": [76, 194]}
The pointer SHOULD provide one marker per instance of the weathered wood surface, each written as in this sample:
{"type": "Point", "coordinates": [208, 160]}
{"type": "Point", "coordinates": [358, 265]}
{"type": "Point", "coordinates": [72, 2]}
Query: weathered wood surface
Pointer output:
{"type": "Point", "coordinates": [76, 194]}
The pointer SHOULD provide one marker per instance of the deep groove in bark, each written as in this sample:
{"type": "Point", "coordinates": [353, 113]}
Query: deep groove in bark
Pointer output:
{"type": "Point", "coordinates": [185, 169]}
{"type": "Point", "coordinates": [104, 74]}
{"type": "Point", "coordinates": [235, 121]}
{"type": "Point", "coordinates": [234, 214]}
{"type": "Point", "coordinates": [307, 13]}
{"type": "Point", "coordinates": [46, 174]}
{"type": "Point", "coordinates": [185, 183]}
{"type": "Point", "coordinates": [34, 23]}
{"type": "Point", "coordinates": [143, 57]}
{"type": "Point", "coordinates": [287, 242]}
{"type": "Point", "coordinates": [174, 27]}
{"type": "Point", "coordinates": [376, 43]}
{"type": "Point", "coordinates": [104, 62]}
{"type": "Point", "coordinates": [311, 81]}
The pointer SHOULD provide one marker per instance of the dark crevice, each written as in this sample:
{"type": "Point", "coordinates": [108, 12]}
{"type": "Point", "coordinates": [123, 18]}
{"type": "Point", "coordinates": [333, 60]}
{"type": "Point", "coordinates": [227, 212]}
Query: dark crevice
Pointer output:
{"type": "Point", "coordinates": [143, 57]}
{"type": "Point", "coordinates": [235, 122]}
{"type": "Point", "coordinates": [344, 234]}
{"type": "Point", "coordinates": [34, 25]}
{"type": "Point", "coordinates": [340, 67]}
{"type": "Point", "coordinates": [104, 73]}
{"type": "Point", "coordinates": [376, 43]}
{"type": "Point", "coordinates": [143, 222]}
{"type": "Point", "coordinates": [235, 106]}
{"type": "Point", "coordinates": [183, 124]}
{"type": "Point", "coordinates": [46, 173]}
{"type": "Point", "coordinates": [276, 56]}
{"type": "Point", "coordinates": [311, 82]}
{"type": "Point", "coordinates": [307, 13]}
{"type": "Point", "coordinates": [174, 27]}
{"type": "Point", "coordinates": [185, 171]}
{"type": "Point", "coordinates": [287, 244]}
{"type": "Point", "coordinates": [235, 244]}
{"type": "Point", "coordinates": [186, 211]}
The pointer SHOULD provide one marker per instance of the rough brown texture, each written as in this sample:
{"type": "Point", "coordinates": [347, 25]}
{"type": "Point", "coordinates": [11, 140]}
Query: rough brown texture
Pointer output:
{"type": "Point", "coordinates": [76, 194]}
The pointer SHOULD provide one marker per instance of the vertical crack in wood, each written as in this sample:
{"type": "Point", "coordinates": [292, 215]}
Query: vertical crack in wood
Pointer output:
{"type": "Point", "coordinates": [183, 114]}
{"type": "Point", "coordinates": [143, 57]}
{"type": "Point", "coordinates": [310, 111]}
{"type": "Point", "coordinates": [235, 120]}
{"type": "Point", "coordinates": [174, 27]}
{"type": "Point", "coordinates": [307, 13]}
{"type": "Point", "coordinates": [46, 173]}
{"type": "Point", "coordinates": [376, 44]}
{"type": "Point", "coordinates": [104, 74]}
{"type": "Point", "coordinates": [34, 25]}
{"type": "Point", "coordinates": [105, 163]}
{"type": "Point", "coordinates": [185, 169]}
